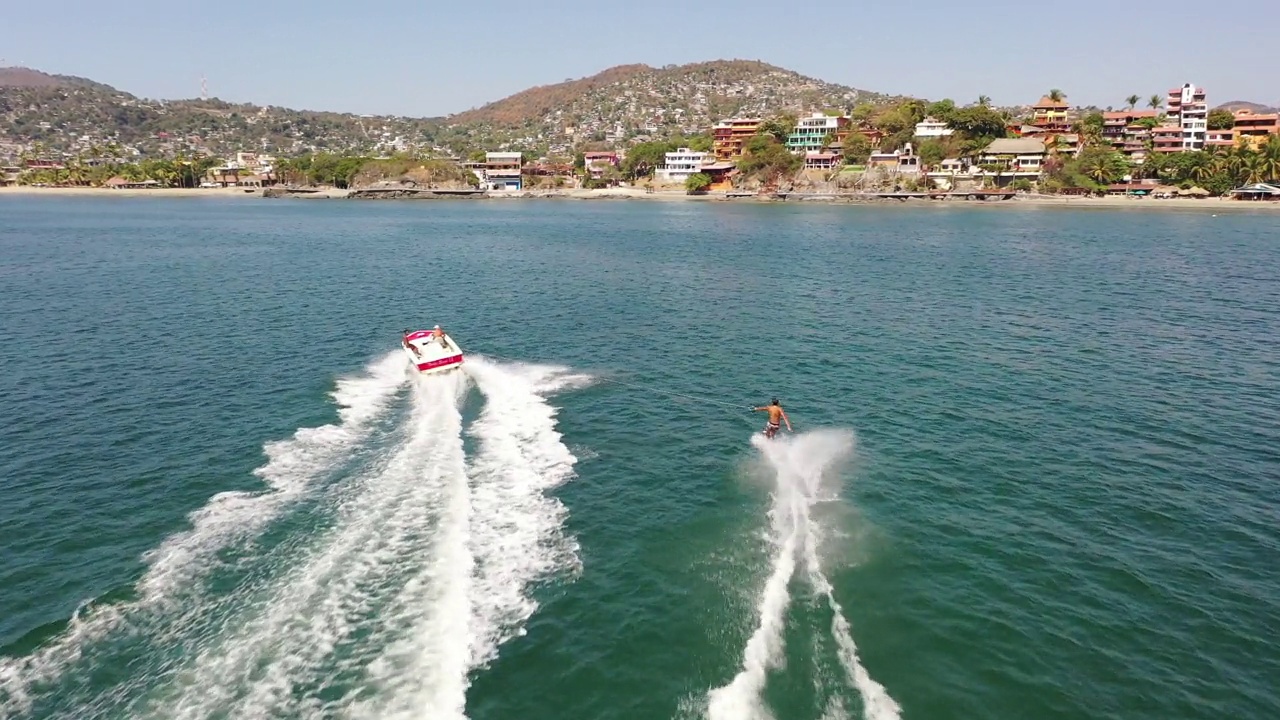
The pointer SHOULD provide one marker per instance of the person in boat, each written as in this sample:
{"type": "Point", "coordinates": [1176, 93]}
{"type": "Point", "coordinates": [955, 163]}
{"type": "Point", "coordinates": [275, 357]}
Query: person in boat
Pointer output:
{"type": "Point", "coordinates": [776, 413]}
{"type": "Point", "coordinates": [438, 334]}
{"type": "Point", "coordinates": [405, 339]}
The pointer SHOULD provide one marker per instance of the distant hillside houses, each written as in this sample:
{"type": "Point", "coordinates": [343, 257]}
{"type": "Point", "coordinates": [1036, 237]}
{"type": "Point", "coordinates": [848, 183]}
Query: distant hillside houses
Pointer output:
{"type": "Point", "coordinates": [946, 147]}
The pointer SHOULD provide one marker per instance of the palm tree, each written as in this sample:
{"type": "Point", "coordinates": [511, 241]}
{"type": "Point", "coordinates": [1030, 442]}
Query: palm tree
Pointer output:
{"type": "Point", "coordinates": [1255, 169]}
{"type": "Point", "coordinates": [1202, 172]}
{"type": "Point", "coordinates": [1057, 95]}
{"type": "Point", "coordinates": [1238, 157]}
{"type": "Point", "coordinates": [984, 100]}
{"type": "Point", "coordinates": [1132, 100]}
{"type": "Point", "coordinates": [1155, 102]}
{"type": "Point", "coordinates": [1271, 157]}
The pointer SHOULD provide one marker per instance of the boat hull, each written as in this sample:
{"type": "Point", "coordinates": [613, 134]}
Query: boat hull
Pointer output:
{"type": "Point", "coordinates": [431, 355]}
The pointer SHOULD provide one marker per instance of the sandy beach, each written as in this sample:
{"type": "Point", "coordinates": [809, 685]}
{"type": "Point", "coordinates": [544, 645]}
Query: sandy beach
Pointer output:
{"type": "Point", "coordinates": [630, 193]}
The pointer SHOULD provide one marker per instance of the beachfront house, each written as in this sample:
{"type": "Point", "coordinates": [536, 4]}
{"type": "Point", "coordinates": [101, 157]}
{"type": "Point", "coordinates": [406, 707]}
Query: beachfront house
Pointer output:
{"type": "Point", "coordinates": [1258, 191]}
{"type": "Point", "coordinates": [226, 176]}
{"type": "Point", "coordinates": [721, 174]}
{"type": "Point", "coordinates": [1255, 128]}
{"type": "Point", "coordinates": [595, 163]}
{"type": "Point", "coordinates": [728, 137]}
{"type": "Point", "coordinates": [949, 173]}
{"type": "Point", "coordinates": [1166, 139]}
{"type": "Point", "coordinates": [679, 165]}
{"type": "Point", "coordinates": [119, 183]}
{"type": "Point", "coordinates": [1220, 139]}
{"type": "Point", "coordinates": [502, 170]}
{"type": "Point", "coordinates": [816, 132]}
{"type": "Point", "coordinates": [1010, 158]}
{"type": "Point", "coordinates": [1116, 125]}
{"type": "Point", "coordinates": [903, 161]}
{"type": "Point", "coordinates": [821, 160]}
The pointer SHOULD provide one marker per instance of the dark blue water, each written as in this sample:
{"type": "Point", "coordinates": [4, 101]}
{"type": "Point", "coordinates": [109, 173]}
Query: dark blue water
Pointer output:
{"type": "Point", "coordinates": [1034, 474]}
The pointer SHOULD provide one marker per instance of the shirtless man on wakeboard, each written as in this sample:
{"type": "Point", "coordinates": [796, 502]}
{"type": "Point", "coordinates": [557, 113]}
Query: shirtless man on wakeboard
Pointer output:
{"type": "Point", "coordinates": [776, 413]}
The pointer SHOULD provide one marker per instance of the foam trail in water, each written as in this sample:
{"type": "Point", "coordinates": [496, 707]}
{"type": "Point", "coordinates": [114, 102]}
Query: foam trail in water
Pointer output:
{"type": "Point", "coordinates": [801, 465]}
{"type": "Point", "coordinates": [176, 565]}
{"type": "Point", "coordinates": [384, 524]}
{"type": "Point", "coordinates": [496, 538]}
{"type": "Point", "coordinates": [877, 705]}
{"type": "Point", "coordinates": [517, 537]}
{"type": "Point", "coordinates": [421, 671]}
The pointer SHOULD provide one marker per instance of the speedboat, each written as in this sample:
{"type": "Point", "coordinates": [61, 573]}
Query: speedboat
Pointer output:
{"type": "Point", "coordinates": [431, 352]}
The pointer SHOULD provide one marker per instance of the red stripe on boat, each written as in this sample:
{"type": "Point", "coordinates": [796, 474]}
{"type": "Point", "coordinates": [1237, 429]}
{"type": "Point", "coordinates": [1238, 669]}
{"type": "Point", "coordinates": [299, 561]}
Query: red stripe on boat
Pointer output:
{"type": "Point", "coordinates": [452, 360]}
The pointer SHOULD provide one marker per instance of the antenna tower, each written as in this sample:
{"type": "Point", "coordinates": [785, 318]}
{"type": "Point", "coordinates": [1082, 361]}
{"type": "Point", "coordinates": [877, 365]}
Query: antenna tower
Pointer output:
{"type": "Point", "coordinates": [204, 88]}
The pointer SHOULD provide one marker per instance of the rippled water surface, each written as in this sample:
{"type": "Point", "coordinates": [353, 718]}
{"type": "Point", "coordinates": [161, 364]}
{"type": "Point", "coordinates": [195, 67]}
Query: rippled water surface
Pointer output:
{"type": "Point", "coordinates": [1035, 473]}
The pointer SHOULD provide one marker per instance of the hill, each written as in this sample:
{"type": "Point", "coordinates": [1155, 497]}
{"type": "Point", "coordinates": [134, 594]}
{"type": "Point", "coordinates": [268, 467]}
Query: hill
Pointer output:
{"type": "Point", "coordinates": [49, 114]}
{"type": "Point", "coordinates": [630, 100]}
{"type": "Point", "coordinates": [1244, 105]}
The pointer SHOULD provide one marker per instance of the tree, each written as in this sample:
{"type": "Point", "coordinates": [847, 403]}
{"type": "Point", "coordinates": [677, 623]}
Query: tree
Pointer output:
{"type": "Point", "coordinates": [890, 120]}
{"type": "Point", "coordinates": [764, 158]}
{"type": "Point", "coordinates": [984, 100]}
{"type": "Point", "coordinates": [1271, 155]}
{"type": "Point", "coordinates": [862, 113]}
{"type": "Point", "coordinates": [857, 148]}
{"type": "Point", "coordinates": [697, 143]}
{"type": "Point", "coordinates": [1057, 95]}
{"type": "Point", "coordinates": [643, 158]}
{"type": "Point", "coordinates": [779, 127]}
{"type": "Point", "coordinates": [1155, 102]}
{"type": "Point", "coordinates": [1221, 119]}
{"type": "Point", "coordinates": [978, 121]}
{"type": "Point", "coordinates": [1132, 100]}
{"type": "Point", "coordinates": [942, 110]}
{"type": "Point", "coordinates": [1090, 128]}
{"type": "Point", "coordinates": [932, 152]}
{"type": "Point", "coordinates": [1101, 165]}
{"type": "Point", "coordinates": [696, 183]}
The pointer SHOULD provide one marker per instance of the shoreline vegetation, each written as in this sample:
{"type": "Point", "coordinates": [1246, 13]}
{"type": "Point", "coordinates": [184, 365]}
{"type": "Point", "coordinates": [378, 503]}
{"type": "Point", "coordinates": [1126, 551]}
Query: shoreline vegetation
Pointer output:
{"type": "Point", "coordinates": [620, 193]}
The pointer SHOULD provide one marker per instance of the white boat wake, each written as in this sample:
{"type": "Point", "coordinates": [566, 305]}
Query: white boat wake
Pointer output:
{"type": "Point", "coordinates": [415, 566]}
{"type": "Point", "coordinates": [802, 465]}
{"type": "Point", "coordinates": [168, 595]}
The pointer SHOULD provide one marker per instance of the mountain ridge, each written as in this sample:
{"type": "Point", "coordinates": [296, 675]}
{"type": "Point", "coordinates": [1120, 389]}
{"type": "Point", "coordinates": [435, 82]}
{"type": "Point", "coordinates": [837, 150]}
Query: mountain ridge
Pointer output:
{"type": "Point", "coordinates": [628, 101]}
{"type": "Point", "coordinates": [42, 112]}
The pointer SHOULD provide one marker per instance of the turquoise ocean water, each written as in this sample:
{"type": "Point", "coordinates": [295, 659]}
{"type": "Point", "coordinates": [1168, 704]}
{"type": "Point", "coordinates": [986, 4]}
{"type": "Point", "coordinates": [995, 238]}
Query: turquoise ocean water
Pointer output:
{"type": "Point", "coordinates": [1036, 472]}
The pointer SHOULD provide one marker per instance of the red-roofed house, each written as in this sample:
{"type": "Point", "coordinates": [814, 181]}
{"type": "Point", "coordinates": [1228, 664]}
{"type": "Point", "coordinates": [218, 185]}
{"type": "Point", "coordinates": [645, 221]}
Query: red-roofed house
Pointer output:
{"type": "Point", "coordinates": [596, 162]}
{"type": "Point", "coordinates": [1051, 115]}
{"type": "Point", "coordinates": [1255, 128]}
{"type": "Point", "coordinates": [1166, 139]}
{"type": "Point", "coordinates": [1115, 124]}
{"type": "Point", "coordinates": [1220, 138]}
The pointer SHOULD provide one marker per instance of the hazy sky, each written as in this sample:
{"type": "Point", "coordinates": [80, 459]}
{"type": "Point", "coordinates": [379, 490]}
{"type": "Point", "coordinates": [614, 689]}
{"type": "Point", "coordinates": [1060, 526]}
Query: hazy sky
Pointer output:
{"type": "Point", "coordinates": [433, 57]}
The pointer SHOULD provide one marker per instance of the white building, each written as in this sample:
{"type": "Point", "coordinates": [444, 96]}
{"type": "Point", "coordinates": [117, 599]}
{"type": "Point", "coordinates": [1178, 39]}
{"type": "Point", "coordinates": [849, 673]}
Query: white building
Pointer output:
{"type": "Point", "coordinates": [812, 134]}
{"type": "Point", "coordinates": [931, 128]}
{"type": "Point", "coordinates": [1188, 105]}
{"type": "Point", "coordinates": [679, 165]}
{"type": "Point", "coordinates": [502, 170]}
